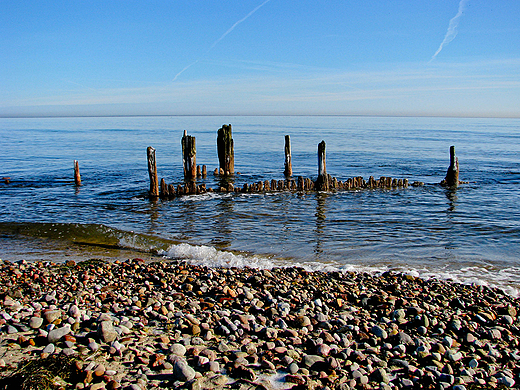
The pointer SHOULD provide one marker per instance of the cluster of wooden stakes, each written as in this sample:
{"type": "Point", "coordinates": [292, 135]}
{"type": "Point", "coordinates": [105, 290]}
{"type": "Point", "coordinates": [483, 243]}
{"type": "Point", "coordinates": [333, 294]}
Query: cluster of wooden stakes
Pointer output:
{"type": "Point", "coordinates": [225, 150]}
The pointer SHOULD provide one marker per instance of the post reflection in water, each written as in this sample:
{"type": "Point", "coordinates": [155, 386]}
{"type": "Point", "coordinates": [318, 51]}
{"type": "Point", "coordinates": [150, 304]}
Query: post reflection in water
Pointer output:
{"type": "Point", "coordinates": [223, 232]}
{"type": "Point", "coordinates": [189, 218]}
{"type": "Point", "coordinates": [154, 216]}
{"type": "Point", "coordinates": [451, 194]}
{"type": "Point", "coordinates": [450, 239]}
{"type": "Point", "coordinates": [321, 209]}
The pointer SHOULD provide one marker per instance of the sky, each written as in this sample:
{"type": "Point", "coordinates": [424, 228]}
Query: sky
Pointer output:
{"type": "Point", "coordinates": [260, 57]}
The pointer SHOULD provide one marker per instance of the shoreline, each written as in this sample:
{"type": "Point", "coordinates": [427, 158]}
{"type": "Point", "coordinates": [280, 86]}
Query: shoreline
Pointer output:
{"type": "Point", "coordinates": [167, 324]}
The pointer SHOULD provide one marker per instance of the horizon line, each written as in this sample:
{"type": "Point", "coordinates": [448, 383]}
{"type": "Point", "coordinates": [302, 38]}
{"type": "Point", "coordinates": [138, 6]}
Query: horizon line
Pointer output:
{"type": "Point", "coordinates": [38, 116]}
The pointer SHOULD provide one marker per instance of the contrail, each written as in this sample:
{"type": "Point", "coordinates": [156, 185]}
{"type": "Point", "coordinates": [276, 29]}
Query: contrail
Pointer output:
{"type": "Point", "coordinates": [452, 29]}
{"type": "Point", "coordinates": [222, 37]}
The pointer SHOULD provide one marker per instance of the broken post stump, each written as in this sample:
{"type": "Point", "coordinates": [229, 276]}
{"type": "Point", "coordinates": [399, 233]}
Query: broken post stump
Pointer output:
{"type": "Point", "coordinates": [225, 150]}
{"type": "Point", "coordinates": [152, 172]}
{"type": "Point", "coordinates": [189, 156]}
{"type": "Point", "coordinates": [452, 175]}
{"type": "Point", "coordinates": [288, 158]}
{"type": "Point", "coordinates": [77, 176]}
{"type": "Point", "coordinates": [322, 183]}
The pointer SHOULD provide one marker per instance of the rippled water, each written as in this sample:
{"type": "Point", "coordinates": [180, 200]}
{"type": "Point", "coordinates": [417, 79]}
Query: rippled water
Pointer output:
{"type": "Point", "coordinates": [471, 234]}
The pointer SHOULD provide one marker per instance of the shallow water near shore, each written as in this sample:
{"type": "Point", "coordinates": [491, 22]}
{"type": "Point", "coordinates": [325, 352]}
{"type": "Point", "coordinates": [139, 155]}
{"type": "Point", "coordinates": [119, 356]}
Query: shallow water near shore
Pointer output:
{"type": "Point", "coordinates": [470, 235]}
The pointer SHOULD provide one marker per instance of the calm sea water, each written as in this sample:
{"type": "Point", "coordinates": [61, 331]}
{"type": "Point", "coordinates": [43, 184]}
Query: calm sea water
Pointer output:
{"type": "Point", "coordinates": [471, 234]}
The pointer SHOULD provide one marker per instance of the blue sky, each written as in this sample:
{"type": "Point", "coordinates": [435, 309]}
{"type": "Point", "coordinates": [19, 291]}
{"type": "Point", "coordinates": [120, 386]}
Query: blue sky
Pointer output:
{"type": "Point", "coordinates": [129, 57]}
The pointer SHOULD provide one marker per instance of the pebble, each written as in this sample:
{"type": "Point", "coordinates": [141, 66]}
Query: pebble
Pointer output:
{"type": "Point", "coordinates": [106, 331]}
{"type": "Point", "coordinates": [51, 315]}
{"type": "Point", "coordinates": [35, 322]}
{"type": "Point", "coordinates": [168, 324]}
{"type": "Point", "coordinates": [49, 349]}
{"type": "Point", "coordinates": [182, 371]}
{"type": "Point", "coordinates": [178, 349]}
{"type": "Point", "coordinates": [57, 333]}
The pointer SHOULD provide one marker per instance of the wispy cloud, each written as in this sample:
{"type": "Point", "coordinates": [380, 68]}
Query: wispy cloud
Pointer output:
{"type": "Point", "coordinates": [463, 88]}
{"type": "Point", "coordinates": [451, 33]}
{"type": "Point", "coordinates": [221, 38]}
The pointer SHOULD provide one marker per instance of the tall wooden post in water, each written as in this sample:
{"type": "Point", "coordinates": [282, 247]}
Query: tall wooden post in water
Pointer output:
{"type": "Point", "coordinates": [152, 172]}
{"type": "Point", "coordinates": [288, 158]}
{"type": "Point", "coordinates": [322, 184]}
{"type": "Point", "coordinates": [452, 175]}
{"type": "Point", "coordinates": [225, 150]}
{"type": "Point", "coordinates": [77, 176]}
{"type": "Point", "coordinates": [189, 156]}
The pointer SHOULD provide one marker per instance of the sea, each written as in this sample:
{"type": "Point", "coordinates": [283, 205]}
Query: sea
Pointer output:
{"type": "Point", "coordinates": [470, 234]}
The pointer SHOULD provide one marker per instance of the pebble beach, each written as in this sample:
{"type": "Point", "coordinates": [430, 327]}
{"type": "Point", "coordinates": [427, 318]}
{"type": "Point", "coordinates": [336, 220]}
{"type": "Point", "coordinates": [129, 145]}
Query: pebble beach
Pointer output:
{"type": "Point", "coordinates": [167, 324]}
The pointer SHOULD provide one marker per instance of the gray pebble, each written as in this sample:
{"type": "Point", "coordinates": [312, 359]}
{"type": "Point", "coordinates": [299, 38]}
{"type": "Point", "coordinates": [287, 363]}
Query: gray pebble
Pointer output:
{"type": "Point", "coordinates": [35, 322]}
{"type": "Point", "coordinates": [293, 368]}
{"type": "Point", "coordinates": [12, 329]}
{"type": "Point", "coordinates": [182, 371]}
{"type": "Point", "coordinates": [50, 348]}
{"type": "Point", "coordinates": [57, 333]}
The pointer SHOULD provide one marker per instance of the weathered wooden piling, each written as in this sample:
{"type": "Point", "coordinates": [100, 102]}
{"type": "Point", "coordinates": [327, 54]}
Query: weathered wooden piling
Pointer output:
{"type": "Point", "coordinates": [189, 158]}
{"type": "Point", "coordinates": [152, 172]}
{"type": "Point", "coordinates": [225, 150]}
{"type": "Point", "coordinates": [288, 157]}
{"type": "Point", "coordinates": [165, 191]}
{"type": "Point", "coordinates": [77, 176]}
{"type": "Point", "coordinates": [322, 184]}
{"type": "Point", "coordinates": [452, 175]}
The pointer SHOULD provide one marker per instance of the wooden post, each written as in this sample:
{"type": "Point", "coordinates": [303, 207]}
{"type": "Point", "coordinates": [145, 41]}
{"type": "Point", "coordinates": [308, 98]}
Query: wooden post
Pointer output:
{"type": "Point", "coordinates": [189, 156]}
{"type": "Point", "coordinates": [322, 184]}
{"type": "Point", "coordinates": [288, 157]}
{"type": "Point", "coordinates": [152, 172]}
{"type": "Point", "coordinates": [77, 176]}
{"type": "Point", "coordinates": [225, 150]}
{"type": "Point", "coordinates": [452, 175]}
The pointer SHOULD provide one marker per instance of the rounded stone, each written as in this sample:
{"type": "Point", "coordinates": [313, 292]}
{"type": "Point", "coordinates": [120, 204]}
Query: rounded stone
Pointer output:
{"type": "Point", "coordinates": [49, 349]}
{"type": "Point", "coordinates": [182, 371]}
{"type": "Point", "coordinates": [178, 349]}
{"type": "Point", "coordinates": [106, 331]}
{"type": "Point", "coordinates": [293, 368]}
{"type": "Point", "coordinates": [51, 315]}
{"type": "Point", "coordinates": [506, 381]}
{"type": "Point", "coordinates": [57, 333]}
{"type": "Point", "coordinates": [303, 321]}
{"type": "Point", "coordinates": [35, 322]}
{"type": "Point", "coordinates": [214, 366]}
{"type": "Point", "coordinates": [11, 329]}
{"type": "Point", "coordinates": [379, 332]}
{"type": "Point", "coordinates": [380, 375]}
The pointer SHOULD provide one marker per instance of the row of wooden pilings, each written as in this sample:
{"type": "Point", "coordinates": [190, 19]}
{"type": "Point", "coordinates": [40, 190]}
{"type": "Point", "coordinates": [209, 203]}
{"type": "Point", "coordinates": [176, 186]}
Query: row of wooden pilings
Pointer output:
{"type": "Point", "coordinates": [225, 150]}
{"type": "Point", "coordinates": [301, 184]}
